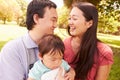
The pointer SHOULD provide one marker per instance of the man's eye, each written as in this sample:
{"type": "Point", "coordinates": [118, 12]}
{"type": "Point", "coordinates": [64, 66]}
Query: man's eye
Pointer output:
{"type": "Point", "coordinates": [69, 18]}
{"type": "Point", "coordinates": [54, 20]}
{"type": "Point", "coordinates": [74, 19]}
{"type": "Point", "coordinates": [53, 60]}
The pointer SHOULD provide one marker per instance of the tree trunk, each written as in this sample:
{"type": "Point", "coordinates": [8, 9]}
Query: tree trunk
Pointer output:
{"type": "Point", "coordinates": [4, 20]}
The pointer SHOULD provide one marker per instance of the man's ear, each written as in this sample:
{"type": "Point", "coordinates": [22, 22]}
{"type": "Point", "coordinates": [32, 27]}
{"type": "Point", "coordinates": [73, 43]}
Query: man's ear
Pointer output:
{"type": "Point", "coordinates": [40, 56]}
{"type": "Point", "coordinates": [35, 18]}
{"type": "Point", "coordinates": [89, 23]}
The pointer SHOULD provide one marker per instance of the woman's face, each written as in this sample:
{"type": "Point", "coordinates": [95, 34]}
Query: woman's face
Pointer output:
{"type": "Point", "coordinates": [77, 22]}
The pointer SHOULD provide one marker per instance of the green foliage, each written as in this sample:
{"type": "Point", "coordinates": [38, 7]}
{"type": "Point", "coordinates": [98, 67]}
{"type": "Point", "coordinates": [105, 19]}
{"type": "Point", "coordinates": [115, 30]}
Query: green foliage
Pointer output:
{"type": "Point", "coordinates": [63, 14]}
{"type": "Point", "coordinates": [23, 6]}
{"type": "Point", "coordinates": [109, 17]}
{"type": "Point", "coordinates": [68, 3]}
{"type": "Point", "coordinates": [22, 21]}
{"type": "Point", "coordinates": [110, 39]}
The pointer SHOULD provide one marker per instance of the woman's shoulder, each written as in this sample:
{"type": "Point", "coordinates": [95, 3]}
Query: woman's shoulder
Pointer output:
{"type": "Point", "coordinates": [104, 49]}
{"type": "Point", "coordinates": [105, 54]}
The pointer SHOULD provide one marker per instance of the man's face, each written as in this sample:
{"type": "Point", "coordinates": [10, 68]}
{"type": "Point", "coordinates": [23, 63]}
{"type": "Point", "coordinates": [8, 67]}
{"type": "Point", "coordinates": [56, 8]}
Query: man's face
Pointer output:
{"type": "Point", "coordinates": [48, 23]}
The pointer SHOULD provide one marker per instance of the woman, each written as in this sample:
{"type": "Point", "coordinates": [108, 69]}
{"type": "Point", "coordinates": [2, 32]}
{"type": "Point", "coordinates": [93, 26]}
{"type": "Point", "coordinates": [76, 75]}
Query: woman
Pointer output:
{"type": "Point", "coordinates": [90, 58]}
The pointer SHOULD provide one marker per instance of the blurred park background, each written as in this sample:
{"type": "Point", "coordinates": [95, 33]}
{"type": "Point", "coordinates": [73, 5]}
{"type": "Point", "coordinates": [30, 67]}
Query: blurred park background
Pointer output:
{"type": "Point", "coordinates": [13, 16]}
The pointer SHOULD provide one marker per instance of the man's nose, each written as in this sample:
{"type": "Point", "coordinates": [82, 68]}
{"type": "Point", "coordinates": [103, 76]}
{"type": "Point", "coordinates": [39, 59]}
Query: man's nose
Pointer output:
{"type": "Point", "coordinates": [55, 25]}
{"type": "Point", "coordinates": [70, 22]}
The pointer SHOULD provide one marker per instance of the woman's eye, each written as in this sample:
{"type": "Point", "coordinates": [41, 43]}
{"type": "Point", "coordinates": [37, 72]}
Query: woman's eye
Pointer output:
{"type": "Point", "coordinates": [72, 19]}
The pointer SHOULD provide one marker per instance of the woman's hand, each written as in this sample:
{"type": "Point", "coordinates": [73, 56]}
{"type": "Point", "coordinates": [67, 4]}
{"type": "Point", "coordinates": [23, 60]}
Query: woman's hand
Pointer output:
{"type": "Point", "coordinates": [70, 75]}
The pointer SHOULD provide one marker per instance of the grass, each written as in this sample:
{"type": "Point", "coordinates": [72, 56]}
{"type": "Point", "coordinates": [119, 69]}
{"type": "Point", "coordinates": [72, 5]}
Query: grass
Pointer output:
{"type": "Point", "coordinates": [115, 71]}
{"type": "Point", "coordinates": [2, 44]}
{"type": "Point", "coordinates": [10, 31]}
{"type": "Point", "coordinates": [111, 40]}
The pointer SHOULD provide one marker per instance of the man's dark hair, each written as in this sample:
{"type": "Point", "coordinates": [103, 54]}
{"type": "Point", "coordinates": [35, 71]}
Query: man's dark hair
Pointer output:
{"type": "Point", "coordinates": [37, 7]}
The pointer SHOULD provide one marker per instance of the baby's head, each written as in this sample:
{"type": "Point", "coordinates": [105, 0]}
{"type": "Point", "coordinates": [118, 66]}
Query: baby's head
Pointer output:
{"type": "Point", "coordinates": [51, 49]}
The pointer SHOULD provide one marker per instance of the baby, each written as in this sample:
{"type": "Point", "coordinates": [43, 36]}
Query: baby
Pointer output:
{"type": "Point", "coordinates": [51, 50]}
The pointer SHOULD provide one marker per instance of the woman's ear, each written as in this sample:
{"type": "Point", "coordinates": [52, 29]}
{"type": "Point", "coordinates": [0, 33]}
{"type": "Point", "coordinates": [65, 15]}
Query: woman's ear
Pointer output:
{"type": "Point", "coordinates": [35, 18]}
{"type": "Point", "coordinates": [40, 56]}
{"type": "Point", "coordinates": [89, 23]}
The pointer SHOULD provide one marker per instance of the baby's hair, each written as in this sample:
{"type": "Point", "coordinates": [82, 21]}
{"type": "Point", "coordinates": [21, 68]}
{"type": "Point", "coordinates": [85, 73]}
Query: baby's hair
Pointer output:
{"type": "Point", "coordinates": [51, 42]}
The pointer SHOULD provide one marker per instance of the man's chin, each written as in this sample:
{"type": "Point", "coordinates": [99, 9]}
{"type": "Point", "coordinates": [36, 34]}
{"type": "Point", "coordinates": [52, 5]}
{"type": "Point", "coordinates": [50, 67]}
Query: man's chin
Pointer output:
{"type": "Point", "coordinates": [49, 33]}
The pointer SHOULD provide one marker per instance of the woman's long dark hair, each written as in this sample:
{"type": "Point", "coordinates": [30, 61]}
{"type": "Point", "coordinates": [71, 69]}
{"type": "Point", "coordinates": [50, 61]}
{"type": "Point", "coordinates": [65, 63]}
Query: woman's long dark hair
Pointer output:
{"type": "Point", "coordinates": [88, 48]}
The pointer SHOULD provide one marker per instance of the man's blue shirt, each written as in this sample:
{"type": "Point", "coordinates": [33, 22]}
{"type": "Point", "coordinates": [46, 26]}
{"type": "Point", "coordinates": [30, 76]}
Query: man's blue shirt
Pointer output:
{"type": "Point", "coordinates": [15, 58]}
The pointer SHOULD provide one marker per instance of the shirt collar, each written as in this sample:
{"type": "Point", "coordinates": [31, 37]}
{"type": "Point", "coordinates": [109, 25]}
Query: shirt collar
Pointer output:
{"type": "Point", "coordinates": [29, 43]}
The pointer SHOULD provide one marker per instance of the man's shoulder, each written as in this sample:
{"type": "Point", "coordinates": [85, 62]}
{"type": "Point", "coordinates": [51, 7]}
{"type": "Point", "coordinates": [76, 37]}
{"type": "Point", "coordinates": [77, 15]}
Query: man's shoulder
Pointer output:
{"type": "Point", "coordinates": [13, 46]}
{"type": "Point", "coordinates": [13, 43]}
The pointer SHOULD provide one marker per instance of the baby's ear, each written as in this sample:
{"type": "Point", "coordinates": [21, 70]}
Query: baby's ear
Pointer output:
{"type": "Point", "coordinates": [40, 56]}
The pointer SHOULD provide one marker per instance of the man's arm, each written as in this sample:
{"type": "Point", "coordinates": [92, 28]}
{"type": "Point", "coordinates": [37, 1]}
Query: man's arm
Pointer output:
{"type": "Point", "coordinates": [10, 63]}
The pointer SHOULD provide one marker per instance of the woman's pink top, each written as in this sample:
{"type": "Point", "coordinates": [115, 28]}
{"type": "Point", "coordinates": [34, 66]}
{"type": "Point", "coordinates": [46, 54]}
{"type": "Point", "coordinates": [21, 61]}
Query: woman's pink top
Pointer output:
{"type": "Point", "coordinates": [105, 57]}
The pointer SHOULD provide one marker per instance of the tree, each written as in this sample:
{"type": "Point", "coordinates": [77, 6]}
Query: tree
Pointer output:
{"type": "Point", "coordinates": [63, 17]}
{"type": "Point", "coordinates": [9, 10]}
{"type": "Point", "coordinates": [109, 17]}
{"type": "Point", "coordinates": [68, 3]}
{"type": "Point", "coordinates": [23, 7]}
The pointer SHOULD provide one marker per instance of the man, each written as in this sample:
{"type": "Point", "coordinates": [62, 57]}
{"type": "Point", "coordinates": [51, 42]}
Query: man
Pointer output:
{"type": "Point", "coordinates": [17, 56]}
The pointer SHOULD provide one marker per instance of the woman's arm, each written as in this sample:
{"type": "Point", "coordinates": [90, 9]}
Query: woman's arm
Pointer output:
{"type": "Point", "coordinates": [103, 72]}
